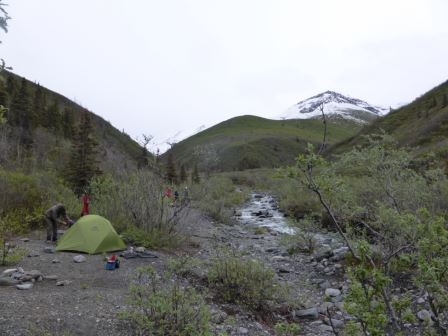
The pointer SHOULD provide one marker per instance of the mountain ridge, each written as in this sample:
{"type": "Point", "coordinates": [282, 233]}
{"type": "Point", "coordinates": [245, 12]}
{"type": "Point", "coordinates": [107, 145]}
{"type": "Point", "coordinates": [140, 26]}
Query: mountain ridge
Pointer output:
{"type": "Point", "coordinates": [336, 105]}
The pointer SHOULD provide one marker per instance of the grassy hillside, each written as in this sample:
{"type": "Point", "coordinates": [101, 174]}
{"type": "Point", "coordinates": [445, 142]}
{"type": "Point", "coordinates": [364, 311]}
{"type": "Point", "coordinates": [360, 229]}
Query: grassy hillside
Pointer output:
{"type": "Point", "coordinates": [422, 124]}
{"type": "Point", "coordinates": [253, 142]}
{"type": "Point", "coordinates": [51, 120]}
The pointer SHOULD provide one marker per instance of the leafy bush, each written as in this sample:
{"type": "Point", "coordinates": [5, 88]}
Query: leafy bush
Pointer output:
{"type": "Point", "coordinates": [137, 208]}
{"type": "Point", "coordinates": [217, 197]}
{"type": "Point", "coordinates": [393, 219]}
{"type": "Point", "coordinates": [162, 307]}
{"type": "Point", "coordinates": [18, 192]}
{"type": "Point", "coordinates": [287, 329]}
{"type": "Point", "coordinates": [243, 281]}
{"type": "Point", "coordinates": [303, 239]}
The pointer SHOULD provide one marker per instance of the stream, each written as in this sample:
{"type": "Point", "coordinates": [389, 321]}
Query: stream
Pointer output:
{"type": "Point", "coordinates": [262, 211]}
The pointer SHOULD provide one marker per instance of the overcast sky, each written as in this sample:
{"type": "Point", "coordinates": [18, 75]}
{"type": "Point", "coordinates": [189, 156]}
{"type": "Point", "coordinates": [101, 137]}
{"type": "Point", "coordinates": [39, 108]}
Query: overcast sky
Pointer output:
{"type": "Point", "coordinates": [158, 67]}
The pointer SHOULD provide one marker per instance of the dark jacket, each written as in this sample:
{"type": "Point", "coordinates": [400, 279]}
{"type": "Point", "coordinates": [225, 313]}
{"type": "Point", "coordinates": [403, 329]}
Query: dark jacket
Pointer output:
{"type": "Point", "coordinates": [56, 212]}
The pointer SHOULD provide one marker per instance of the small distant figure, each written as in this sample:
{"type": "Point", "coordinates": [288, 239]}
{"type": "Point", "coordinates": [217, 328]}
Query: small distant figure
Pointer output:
{"type": "Point", "coordinates": [56, 214]}
{"type": "Point", "coordinates": [85, 204]}
{"type": "Point", "coordinates": [168, 193]}
{"type": "Point", "coordinates": [185, 197]}
{"type": "Point", "coordinates": [176, 196]}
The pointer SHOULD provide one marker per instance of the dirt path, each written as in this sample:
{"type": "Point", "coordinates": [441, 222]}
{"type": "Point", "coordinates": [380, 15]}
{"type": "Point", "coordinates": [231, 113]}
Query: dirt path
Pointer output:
{"type": "Point", "coordinates": [88, 304]}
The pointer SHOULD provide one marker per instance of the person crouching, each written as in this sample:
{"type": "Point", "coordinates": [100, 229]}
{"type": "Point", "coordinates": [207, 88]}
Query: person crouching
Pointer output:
{"type": "Point", "coordinates": [56, 214]}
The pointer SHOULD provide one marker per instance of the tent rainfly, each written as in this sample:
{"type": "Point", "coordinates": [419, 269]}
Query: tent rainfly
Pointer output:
{"type": "Point", "coordinates": [91, 234]}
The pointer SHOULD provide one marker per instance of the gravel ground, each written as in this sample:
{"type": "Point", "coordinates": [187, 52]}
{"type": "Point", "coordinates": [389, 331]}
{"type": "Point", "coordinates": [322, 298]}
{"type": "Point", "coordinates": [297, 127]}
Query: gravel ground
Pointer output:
{"type": "Point", "coordinates": [90, 302]}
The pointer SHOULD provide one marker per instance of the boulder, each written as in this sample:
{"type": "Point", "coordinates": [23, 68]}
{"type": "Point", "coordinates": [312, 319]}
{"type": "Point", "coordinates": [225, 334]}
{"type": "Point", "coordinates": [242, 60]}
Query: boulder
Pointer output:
{"type": "Point", "coordinates": [140, 249]}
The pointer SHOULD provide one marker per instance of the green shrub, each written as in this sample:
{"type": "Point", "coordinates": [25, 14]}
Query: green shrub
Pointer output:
{"type": "Point", "coordinates": [217, 197]}
{"type": "Point", "coordinates": [243, 281]}
{"type": "Point", "coordinates": [160, 307]}
{"type": "Point", "coordinates": [287, 329]}
{"type": "Point", "coordinates": [9, 256]}
{"type": "Point", "coordinates": [18, 192]}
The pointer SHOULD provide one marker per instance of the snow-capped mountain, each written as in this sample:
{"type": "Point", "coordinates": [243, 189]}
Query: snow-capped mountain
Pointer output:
{"type": "Point", "coordinates": [166, 144]}
{"type": "Point", "coordinates": [335, 105]}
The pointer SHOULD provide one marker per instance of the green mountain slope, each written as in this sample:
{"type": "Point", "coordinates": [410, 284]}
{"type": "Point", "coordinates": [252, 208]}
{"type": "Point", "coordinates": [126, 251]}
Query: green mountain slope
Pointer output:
{"type": "Point", "coordinates": [45, 122]}
{"type": "Point", "coordinates": [422, 124]}
{"type": "Point", "coordinates": [247, 142]}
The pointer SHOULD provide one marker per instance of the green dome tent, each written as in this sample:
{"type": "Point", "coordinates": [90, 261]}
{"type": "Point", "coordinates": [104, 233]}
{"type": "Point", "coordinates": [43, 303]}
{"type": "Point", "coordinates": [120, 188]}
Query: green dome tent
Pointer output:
{"type": "Point", "coordinates": [91, 234]}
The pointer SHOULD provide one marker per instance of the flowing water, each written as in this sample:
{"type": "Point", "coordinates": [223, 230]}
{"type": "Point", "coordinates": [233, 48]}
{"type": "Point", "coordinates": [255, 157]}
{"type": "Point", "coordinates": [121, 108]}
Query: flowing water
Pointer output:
{"type": "Point", "coordinates": [262, 211]}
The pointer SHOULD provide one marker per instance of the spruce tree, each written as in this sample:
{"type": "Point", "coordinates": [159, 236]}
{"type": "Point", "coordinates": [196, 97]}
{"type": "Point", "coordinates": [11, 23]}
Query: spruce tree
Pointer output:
{"type": "Point", "coordinates": [68, 122]}
{"type": "Point", "coordinates": [20, 113]}
{"type": "Point", "coordinates": [445, 100]}
{"type": "Point", "coordinates": [182, 174]}
{"type": "Point", "coordinates": [195, 175]}
{"type": "Point", "coordinates": [4, 96]}
{"type": "Point", "coordinates": [83, 165]}
{"type": "Point", "coordinates": [53, 118]}
{"type": "Point", "coordinates": [39, 106]}
{"type": "Point", "coordinates": [170, 172]}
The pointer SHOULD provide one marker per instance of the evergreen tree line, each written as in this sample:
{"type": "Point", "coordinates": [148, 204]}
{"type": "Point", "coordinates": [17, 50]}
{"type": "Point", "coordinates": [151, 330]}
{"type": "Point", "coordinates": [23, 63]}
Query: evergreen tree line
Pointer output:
{"type": "Point", "coordinates": [173, 177]}
{"type": "Point", "coordinates": [29, 108]}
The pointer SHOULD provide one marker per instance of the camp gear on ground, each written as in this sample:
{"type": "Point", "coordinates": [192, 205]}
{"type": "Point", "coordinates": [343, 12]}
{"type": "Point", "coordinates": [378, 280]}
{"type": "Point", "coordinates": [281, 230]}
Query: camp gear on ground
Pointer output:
{"type": "Point", "coordinates": [91, 234]}
{"type": "Point", "coordinates": [52, 218]}
{"type": "Point", "coordinates": [112, 263]}
{"type": "Point", "coordinates": [85, 205]}
{"type": "Point", "coordinates": [133, 254]}
{"type": "Point", "coordinates": [70, 223]}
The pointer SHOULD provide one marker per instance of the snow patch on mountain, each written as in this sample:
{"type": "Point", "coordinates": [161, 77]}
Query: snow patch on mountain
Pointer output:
{"type": "Point", "coordinates": [335, 105]}
{"type": "Point", "coordinates": [167, 143]}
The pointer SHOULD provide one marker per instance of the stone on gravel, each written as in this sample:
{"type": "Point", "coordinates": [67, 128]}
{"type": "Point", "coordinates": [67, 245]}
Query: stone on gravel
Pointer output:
{"type": "Point", "coordinates": [33, 254]}
{"type": "Point", "coordinates": [324, 285]}
{"type": "Point", "coordinates": [424, 315]}
{"type": "Point", "coordinates": [62, 283]}
{"type": "Point", "coordinates": [311, 313]}
{"type": "Point", "coordinates": [140, 249]}
{"type": "Point", "coordinates": [49, 249]}
{"type": "Point", "coordinates": [25, 240]}
{"type": "Point", "coordinates": [337, 324]}
{"type": "Point", "coordinates": [51, 277]}
{"type": "Point", "coordinates": [79, 259]}
{"type": "Point", "coordinates": [8, 272]}
{"type": "Point", "coordinates": [420, 300]}
{"type": "Point", "coordinates": [25, 286]}
{"type": "Point", "coordinates": [34, 274]}
{"type": "Point", "coordinates": [332, 292]}
{"type": "Point", "coordinates": [243, 331]}
{"type": "Point", "coordinates": [325, 328]}
{"type": "Point", "coordinates": [324, 306]}
{"type": "Point", "coordinates": [6, 281]}
{"type": "Point", "coordinates": [55, 261]}
{"type": "Point", "coordinates": [323, 253]}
